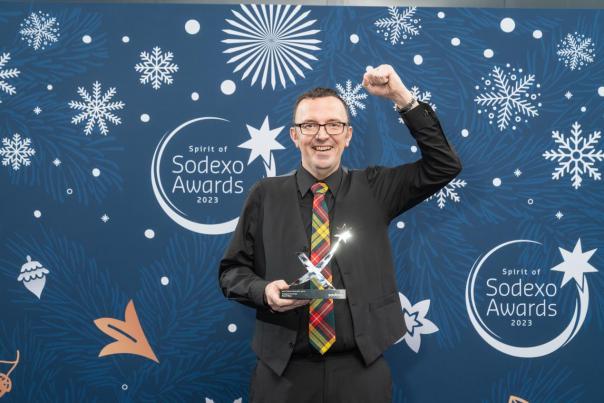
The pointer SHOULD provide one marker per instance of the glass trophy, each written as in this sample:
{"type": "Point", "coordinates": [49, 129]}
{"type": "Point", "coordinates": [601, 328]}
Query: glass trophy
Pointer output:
{"type": "Point", "coordinates": [313, 273]}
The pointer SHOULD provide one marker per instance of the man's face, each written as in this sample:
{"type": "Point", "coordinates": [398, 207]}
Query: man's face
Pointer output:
{"type": "Point", "coordinates": [321, 153]}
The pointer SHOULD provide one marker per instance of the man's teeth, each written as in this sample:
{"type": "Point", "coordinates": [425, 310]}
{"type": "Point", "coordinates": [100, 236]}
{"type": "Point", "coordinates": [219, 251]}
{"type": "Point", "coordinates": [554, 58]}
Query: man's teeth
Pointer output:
{"type": "Point", "coordinates": [322, 148]}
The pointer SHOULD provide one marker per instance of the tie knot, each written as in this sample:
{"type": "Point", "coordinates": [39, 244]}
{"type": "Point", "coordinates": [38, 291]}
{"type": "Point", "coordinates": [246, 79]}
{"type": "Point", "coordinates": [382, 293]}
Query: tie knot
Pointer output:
{"type": "Point", "coordinates": [319, 187]}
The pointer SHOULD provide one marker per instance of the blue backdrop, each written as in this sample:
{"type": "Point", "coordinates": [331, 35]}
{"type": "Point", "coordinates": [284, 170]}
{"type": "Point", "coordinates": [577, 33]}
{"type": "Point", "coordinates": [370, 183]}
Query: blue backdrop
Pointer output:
{"type": "Point", "coordinates": [132, 133]}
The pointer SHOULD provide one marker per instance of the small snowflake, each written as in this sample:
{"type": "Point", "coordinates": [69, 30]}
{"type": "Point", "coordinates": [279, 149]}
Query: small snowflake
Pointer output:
{"type": "Point", "coordinates": [104, 218]}
{"type": "Point", "coordinates": [156, 68]}
{"type": "Point", "coordinates": [507, 95]}
{"type": "Point", "coordinates": [568, 95]}
{"type": "Point", "coordinates": [575, 155]}
{"type": "Point", "coordinates": [37, 110]}
{"type": "Point", "coordinates": [425, 96]}
{"type": "Point", "coordinates": [576, 51]}
{"type": "Point", "coordinates": [6, 74]}
{"type": "Point", "coordinates": [96, 108]}
{"type": "Point", "coordinates": [16, 152]}
{"type": "Point", "coordinates": [559, 215]}
{"type": "Point", "coordinates": [351, 96]}
{"type": "Point", "coordinates": [398, 27]}
{"type": "Point", "coordinates": [517, 172]}
{"type": "Point", "coordinates": [40, 30]}
{"type": "Point", "coordinates": [57, 162]}
{"type": "Point", "coordinates": [448, 192]}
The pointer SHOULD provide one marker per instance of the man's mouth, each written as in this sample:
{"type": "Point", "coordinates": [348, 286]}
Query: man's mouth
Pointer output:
{"type": "Point", "coordinates": [322, 148]}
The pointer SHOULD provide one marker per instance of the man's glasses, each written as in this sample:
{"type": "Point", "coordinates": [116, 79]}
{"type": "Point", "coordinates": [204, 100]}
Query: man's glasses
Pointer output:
{"type": "Point", "coordinates": [311, 128]}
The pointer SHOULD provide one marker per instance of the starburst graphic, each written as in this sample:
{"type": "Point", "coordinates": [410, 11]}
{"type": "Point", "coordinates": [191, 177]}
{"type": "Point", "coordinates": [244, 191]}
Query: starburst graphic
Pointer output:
{"type": "Point", "coordinates": [262, 143]}
{"type": "Point", "coordinates": [104, 218]}
{"type": "Point", "coordinates": [56, 162]}
{"type": "Point", "coordinates": [425, 96]}
{"type": "Point", "coordinates": [517, 173]}
{"type": "Point", "coordinates": [271, 41]}
{"type": "Point", "coordinates": [16, 152]}
{"type": "Point", "coordinates": [351, 96]}
{"type": "Point", "coordinates": [576, 51]}
{"type": "Point", "coordinates": [40, 30]}
{"type": "Point", "coordinates": [96, 109]}
{"type": "Point", "coordinates": [156, 68]}
{"type": "Point", "coordinates": [399, 27]}
{"type": "Point", "coordinates": [5, 74]}
{"type": "Point", "coordinates": [506, 95]}
{"type": "Point", "coordinates": [416, 322]}
{"type": "Point", "coordinates": [559, 215]}
{"type": "Point", "coordinates": [575, 155]}
{"type": "Point", "coordinates": [448, 192]}
{"type": "Point", "coordinates": [568, 95]}
{"type": "Point", "coordinates": [575, 265]}
{"type": "Point", "coordinates": [37, 110]}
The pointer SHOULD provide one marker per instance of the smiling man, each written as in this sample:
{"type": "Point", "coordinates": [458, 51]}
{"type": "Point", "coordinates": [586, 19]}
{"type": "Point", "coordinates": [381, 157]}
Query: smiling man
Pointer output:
{"type": "Point", "coordinates": [331, 350]}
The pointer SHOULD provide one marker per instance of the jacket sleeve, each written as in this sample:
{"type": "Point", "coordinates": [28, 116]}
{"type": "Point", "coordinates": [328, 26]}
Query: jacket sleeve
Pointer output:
{"type": "Point", "coordinates": [402, 187]}
{"type": "Point", "coordinates": [237, 274]}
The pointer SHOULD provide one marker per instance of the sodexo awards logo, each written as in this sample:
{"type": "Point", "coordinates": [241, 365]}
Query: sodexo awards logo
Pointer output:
{"type": "Point", "coordinates": [526, 300]}
{"type": "Point", "coordinates": [201, 171]}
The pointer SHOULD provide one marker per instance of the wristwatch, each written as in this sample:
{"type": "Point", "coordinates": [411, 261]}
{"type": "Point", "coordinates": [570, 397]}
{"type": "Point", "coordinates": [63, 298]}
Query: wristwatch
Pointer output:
{"type": "Point", "coordinates": [405, 108]}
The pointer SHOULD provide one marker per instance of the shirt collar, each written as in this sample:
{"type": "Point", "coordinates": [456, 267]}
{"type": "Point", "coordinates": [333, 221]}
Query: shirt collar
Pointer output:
{"type": "Point", "coordinates": [305, 180]}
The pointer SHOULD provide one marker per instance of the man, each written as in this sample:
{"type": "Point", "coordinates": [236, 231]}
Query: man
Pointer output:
{"type": "Point", "coordinates": [331, 350]}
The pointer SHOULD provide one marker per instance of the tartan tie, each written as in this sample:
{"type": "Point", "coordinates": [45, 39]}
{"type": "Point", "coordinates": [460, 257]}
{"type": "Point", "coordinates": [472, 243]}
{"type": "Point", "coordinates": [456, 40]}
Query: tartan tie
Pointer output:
{"type": "Point", "coordinates": [321, 323]}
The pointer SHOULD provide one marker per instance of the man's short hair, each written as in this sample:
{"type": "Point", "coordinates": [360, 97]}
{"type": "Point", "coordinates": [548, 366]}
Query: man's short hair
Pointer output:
{"type": "Point", "coordinates": [319, 92]}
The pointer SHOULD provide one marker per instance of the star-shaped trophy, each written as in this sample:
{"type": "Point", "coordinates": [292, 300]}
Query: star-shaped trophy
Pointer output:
{"type": "Point", "coordinates": [313, 272]}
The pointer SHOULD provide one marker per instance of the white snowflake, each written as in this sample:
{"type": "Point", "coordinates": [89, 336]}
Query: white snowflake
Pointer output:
{"type": "Point", "coordinates": [16, 152]}
{"type": "Point", "coordinates": [399, 27]}
{"type": "Point", "coordinates": [448, 192]}
{"type": "Point", "coordinates": [37, 110]}
{"type": "Point", "coordinates": [271, 40]}
{"type": "Point", "coordinates": [156, 68]}
{"type": "Point", "coordinates": [517, 173]}
{"type": "Point", "coordinates": [575, 155]}
{"type": "Point", "coordinates": [39, 30]}
{"type": "Point", "coordinates": [6, 74]}
{"type": "Point", "coordinates": [576, 51]}
{"type": "Point", "coordinates": [96, 108]}
{"type": "Point", "coordinates": [425, 96]}
{"type": "Point", "coordinates": [507, 95]}
{"type": "Point", "coordinates": [351, 96]}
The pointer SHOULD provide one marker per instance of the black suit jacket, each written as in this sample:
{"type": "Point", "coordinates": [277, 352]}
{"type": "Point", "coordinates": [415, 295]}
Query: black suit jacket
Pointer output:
{"type": "Point", "coordinates": [270, 232]}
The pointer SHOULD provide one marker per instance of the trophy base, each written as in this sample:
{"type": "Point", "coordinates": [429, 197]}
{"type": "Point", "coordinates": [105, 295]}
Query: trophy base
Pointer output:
{"type": "Point", "coordinates": [313, 294]}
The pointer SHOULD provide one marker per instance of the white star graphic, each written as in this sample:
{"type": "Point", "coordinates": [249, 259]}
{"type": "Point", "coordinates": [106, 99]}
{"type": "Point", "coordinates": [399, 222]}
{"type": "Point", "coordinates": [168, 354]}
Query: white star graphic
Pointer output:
{"type": "Point", "coordinates": [262, 142]}
{"type": "Point", "coordinates": [416, 322]}
{"type": "Point", "coordinates": [104, 218]}
{"type": "Point", "coordinates": [568, 95]}
{"type": "Point", "coordinates": [559, 215]}
{"type": "Point", "coordinates": [517, 172]}
{"type": "Point", "coordinates": [37, 110]}
{"type": "Point", "coordinates": [575, 264]}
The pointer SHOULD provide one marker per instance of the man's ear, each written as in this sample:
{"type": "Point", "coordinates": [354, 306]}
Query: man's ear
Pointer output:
{"type": "Point", "coordinates": [294, 136]}
{"type": "Point", "coordinates": [349, 136]}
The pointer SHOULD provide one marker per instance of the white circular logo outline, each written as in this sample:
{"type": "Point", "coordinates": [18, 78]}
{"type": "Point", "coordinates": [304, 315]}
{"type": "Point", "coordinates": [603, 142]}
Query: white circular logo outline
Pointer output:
{"type": "Point", "coordinates": [571, 330]}
{"type": "Point", "coordinates": [166, 204]}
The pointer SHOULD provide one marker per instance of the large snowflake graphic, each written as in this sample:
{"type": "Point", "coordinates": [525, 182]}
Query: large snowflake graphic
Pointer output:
{"type": "Point", "coordinates": [40, 30]}
{"type": "Point", "coordinates": [448, 192]}
{"type": "Point", "coordinates": [351, 96]}
{"type": "Point", "coordinates": [16, 152]}
{"type": "Point", "coordinates": [399, 27]}
{"type": "Point", "coordinates": [416, 322]}
{"type": "Point", "coordinates": [576, 51]}
{"type": "Point", "coordinates": [156, 68]}
{"type": "Point", "coordinates": [5, 74]}
{"type": "Point", "coordinates": [271, 41]}
{"type": "Point", "coordinates": [425, 96]}
{"type": "Point", "coordinates": [96, 108]}
{"type": "Point", "coordinates": [575, 155]}
{"type": "Point", "coordinates": [506, 95]}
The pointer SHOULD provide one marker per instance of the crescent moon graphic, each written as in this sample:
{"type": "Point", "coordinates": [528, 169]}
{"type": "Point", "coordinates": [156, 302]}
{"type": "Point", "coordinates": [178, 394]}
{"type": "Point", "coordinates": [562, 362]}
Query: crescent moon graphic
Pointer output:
{"type": "Point", "coordinates": [166, 204]}
{"type": "Point", "coordinates": [571, 330]}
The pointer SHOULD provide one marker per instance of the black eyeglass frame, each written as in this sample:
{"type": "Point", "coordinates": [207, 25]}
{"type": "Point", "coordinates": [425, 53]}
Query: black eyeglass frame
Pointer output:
{"type": "Point", "coordinates": [299, 126]}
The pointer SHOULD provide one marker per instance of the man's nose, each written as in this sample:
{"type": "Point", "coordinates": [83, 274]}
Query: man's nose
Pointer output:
{"type": "Point", "coordinates": [322, 133]}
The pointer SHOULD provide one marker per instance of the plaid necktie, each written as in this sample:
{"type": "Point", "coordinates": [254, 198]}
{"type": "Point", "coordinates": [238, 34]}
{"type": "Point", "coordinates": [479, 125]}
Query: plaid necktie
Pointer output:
{"type": "Point", "coordinates": [321, 323]}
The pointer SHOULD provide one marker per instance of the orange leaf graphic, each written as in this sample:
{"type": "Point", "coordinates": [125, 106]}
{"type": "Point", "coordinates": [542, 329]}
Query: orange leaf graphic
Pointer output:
{"type": "Point", "coordinates": [128, 334]}
{"type": "Point", "coordinates": [516, 399]}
